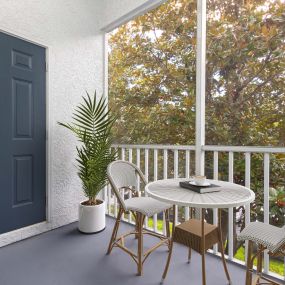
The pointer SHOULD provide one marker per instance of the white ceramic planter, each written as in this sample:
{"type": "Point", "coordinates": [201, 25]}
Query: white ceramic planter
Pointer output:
{"type": "Point", "coordinates": [92, 218]}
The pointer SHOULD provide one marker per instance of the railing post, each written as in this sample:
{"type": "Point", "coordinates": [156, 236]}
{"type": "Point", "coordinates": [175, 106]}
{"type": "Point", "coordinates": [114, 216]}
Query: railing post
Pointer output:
{"type": "Point", "coordinates": [155, 170]}
{"type": "Point", "coordinates": [216, 177]}
{"type": "Point", "coordinates": [247, 184]}
{"type": "Point", "coordinates": [231, 212]}
{"type": "Point", "coordinates": [266, 182]}
{"type": "Point", "coordinates": [200, 86]}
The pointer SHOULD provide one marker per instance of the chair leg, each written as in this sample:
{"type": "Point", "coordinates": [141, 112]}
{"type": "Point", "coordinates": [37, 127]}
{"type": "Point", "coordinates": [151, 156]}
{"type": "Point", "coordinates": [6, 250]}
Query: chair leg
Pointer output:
{"type": "Point", "coordinates": [140, 219]}
{"type": "Point", "coordinates": [170, 248]}
{"type": "Point", "coordinates": [203, 247]}
{"type": "Point", "coordinates": [189, 254]}
{"type": "Point", "coordinates": [223, 259]}
{"type": "Point", "coordinates": [259, 264]}
{"type": "Point", "coordinates": [136, 227]}
{"type": "Point", "coordinates": [115, 230]}
{"type": "Point", "coordinates": [249, 264]}
{"type": "Point", "coordinates": [222, 247]}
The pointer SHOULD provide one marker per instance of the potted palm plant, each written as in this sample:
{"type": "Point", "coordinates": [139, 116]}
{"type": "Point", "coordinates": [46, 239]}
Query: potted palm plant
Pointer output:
{"type": "Point", "coordinates": [92, 123]}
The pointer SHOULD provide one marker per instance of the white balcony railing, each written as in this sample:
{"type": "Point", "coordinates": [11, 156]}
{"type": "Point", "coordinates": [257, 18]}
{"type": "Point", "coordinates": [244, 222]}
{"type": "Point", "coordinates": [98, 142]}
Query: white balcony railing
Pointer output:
{"type": "Point", "coordinates": [171, 161]}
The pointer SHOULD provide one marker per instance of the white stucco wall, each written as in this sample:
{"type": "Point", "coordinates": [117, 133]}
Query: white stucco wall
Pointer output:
{"type": "Point", "coordinates": [71, 31]}
{"type": "Point", "coordinates": [115, 11]}
{"type": "Point", "coordinates": [69, 28]}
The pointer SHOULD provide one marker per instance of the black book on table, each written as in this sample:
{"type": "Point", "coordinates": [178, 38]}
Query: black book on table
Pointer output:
{"type": "Point", "coordinates": [199, 189]}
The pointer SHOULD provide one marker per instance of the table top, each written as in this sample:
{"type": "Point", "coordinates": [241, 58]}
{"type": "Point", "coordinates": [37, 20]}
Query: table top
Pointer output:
{"type": "Point", "coordinates": [230, 194]}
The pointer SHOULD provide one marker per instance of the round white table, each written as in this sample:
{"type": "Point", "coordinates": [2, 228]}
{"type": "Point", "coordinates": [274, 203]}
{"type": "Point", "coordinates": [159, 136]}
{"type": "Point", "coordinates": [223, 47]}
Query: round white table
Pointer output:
{"type": "Point", "coordinates": [229, 195]}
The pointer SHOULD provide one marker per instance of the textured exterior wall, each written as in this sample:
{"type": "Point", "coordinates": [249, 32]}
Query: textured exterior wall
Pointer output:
{"type": "Point", "coordinates": [69, 28]}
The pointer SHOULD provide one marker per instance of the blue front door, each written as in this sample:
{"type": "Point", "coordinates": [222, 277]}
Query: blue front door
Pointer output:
{"type": "Point", "coordinates": [22, 133]}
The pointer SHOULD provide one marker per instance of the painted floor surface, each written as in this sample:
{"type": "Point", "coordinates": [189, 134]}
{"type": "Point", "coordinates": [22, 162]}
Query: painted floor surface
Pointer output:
{"type": "Point", "coordinates": [66, 257]}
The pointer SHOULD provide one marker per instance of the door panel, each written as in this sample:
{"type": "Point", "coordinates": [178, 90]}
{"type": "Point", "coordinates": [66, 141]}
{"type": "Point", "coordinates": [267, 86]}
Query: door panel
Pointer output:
{"type": "Point", "coordinates": [22, 133]}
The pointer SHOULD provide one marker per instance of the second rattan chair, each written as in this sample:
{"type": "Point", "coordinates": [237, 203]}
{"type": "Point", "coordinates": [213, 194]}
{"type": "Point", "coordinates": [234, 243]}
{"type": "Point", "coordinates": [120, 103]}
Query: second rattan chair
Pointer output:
{"type": "Point", "coordinates": [124, 175]}
{"type": "Point", "coordinates": [267, 237]}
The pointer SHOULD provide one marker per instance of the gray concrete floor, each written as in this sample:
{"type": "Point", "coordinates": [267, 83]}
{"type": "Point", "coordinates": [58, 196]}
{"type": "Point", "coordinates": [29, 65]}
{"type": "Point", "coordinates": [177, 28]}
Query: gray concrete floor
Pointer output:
{"type": "Point", "coordinates": [66, 257]}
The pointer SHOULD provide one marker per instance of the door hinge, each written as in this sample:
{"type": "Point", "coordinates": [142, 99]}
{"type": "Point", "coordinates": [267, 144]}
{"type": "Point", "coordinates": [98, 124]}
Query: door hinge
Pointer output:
{"type": "Point", "coordinates": [46, 66]}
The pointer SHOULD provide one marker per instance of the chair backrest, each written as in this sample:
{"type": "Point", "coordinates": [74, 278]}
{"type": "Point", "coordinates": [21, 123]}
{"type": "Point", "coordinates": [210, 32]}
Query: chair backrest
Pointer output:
{"type": "Point", "coordinates": [123, 174]}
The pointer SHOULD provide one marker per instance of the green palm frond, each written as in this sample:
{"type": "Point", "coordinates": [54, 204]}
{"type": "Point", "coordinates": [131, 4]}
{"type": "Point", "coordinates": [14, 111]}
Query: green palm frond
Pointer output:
{"type": "Point", "coordinates": [92, 123]}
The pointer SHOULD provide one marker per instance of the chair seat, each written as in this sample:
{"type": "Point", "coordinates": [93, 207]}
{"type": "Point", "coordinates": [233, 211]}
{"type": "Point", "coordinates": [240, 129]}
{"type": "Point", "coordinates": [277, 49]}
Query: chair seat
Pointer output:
{"type": "Point", "coordinates": [146, 205]}
{"type": "Point", "coordinates": [267, 235]}
{"type": "Point", "coordinates": [189, 233]}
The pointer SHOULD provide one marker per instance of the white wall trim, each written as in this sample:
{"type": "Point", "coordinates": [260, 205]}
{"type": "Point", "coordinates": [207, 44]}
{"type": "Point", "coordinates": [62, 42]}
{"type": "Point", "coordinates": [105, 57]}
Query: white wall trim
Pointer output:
{"type": "Point", "coordinates": [24, 233]}
{"type": "Point", "coordinates": [24, 37]}
{"type": "Point", "coordinates": [142, 9]}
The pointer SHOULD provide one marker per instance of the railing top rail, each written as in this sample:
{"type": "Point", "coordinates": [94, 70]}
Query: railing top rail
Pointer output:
{"type": "Point", "coordinates": [155, 146]}
{"type": "Point", "coordinates": [255, 149]}
{"type": "Point", "coordinates": [225, 148]}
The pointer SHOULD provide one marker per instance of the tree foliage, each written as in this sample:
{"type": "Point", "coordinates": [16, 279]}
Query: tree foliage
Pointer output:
{"type": "Point", "coordinates": [152, 70]}
{"type": "Point", "coordinates": [152, 84]}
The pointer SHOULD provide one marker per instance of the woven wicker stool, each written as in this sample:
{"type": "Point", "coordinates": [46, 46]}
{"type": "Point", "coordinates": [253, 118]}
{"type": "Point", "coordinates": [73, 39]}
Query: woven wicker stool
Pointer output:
{"type": "Point", "coordinates": [199, 236]}
{"type": "Point", "coordinates": [190, 234]}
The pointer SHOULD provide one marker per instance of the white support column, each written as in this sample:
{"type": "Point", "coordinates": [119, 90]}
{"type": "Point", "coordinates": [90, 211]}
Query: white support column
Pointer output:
{"type": "Point", "coordinates": [200, 86]}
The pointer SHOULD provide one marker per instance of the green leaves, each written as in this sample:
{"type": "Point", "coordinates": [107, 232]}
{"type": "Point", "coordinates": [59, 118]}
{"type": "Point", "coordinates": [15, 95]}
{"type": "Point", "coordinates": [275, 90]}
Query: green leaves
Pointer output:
{"type": "Point", "coordinates": [92, 123]}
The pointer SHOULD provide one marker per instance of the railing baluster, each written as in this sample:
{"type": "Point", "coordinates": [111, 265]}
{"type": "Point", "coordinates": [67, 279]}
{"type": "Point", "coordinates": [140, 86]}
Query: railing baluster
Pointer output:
{"type": "Point", "coordinates": [187, 175]}
{"type": "Point", "coordinates": [139, 166]}
{"type": "Point", "coordinates": [247, 184]}
{"type": "Point", "coordinates": [165, 174]}
{"type": "Point", "coordinates": [176, 158]}
{"type": "Point", "coordinates": [187, 163]}
{"type": "Point", "coordinates": [123, 154]}
{"type": "Point", "coordinates": [123, 195]}
{"type": "Point", "coordinates": [231, 214]}
{"type": "Point", "coordinates": [175, 163]}
{"type": "Point", "coordinates": [146, 153]}
{"type": "Point", "coordinates": [130, 152]}
{"type": "Point", "coordinates": [165, 163]}
{"type": "Point", "coordinates": [266, 182]}
{"type": "Point", "coordinates": [130, 155]}
{"type": "Point", "coordinates": [105, 197]}
{"type": "Point", "coordinates": [109, 200]}
{"type": "Point", "coordinates": [115, 206]}
{"type": "Point", "coordinates": [216, 177]}
{"type": "Point", "coordinates": [155, 178]}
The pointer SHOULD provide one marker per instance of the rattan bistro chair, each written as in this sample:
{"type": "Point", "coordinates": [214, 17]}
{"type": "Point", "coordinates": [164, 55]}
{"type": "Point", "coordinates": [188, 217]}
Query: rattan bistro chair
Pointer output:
{"type": "Point", "coordinates": [124, 175]}
{"type": "Point", "coordinates": [267, 237]}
